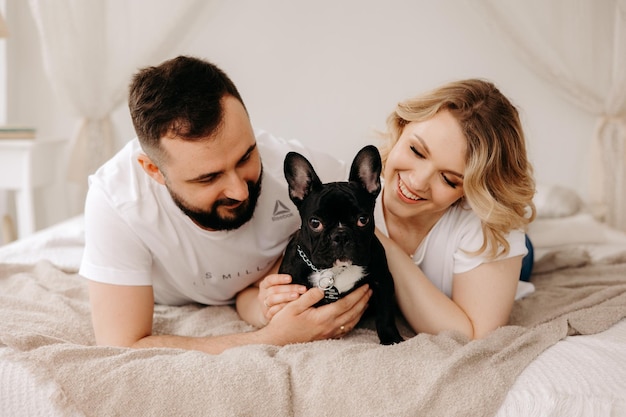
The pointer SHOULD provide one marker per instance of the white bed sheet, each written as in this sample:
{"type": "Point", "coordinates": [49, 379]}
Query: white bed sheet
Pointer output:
{"type": "Point", "coordinates": [62, 244]}
{"type": "Point", "coordinates": [580, 376]}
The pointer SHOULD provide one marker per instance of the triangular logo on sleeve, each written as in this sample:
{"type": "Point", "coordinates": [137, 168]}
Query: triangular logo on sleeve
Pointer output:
{"type": "Point", "coordinates": [281, 211]}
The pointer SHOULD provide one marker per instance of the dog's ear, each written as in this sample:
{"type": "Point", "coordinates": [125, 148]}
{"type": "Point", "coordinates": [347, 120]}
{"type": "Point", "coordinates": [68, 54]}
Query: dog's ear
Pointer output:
{"type": "Point", "coordinates": [366, 169]}
{"type": "Point", "coordinates": [300, 176]}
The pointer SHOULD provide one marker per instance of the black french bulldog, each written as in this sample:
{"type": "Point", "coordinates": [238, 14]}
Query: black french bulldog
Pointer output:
{"type": "Point", "coordinates": [335, 248]}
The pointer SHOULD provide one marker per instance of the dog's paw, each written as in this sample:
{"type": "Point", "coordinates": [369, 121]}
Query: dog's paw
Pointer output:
{"type": "Point", "coordinates": [390, 336]}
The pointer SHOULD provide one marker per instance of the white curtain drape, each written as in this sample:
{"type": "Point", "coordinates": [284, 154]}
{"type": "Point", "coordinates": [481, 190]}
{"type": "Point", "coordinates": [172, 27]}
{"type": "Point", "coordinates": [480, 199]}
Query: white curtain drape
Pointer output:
{"type": "Point", "coordinates": [579, 46]}
{"type": "Point", "coordinates": [91, 49]}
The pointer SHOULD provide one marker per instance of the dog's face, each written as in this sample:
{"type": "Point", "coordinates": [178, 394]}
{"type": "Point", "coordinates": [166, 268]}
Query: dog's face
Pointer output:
{"type": "Point", "coordinates": [337, 218]}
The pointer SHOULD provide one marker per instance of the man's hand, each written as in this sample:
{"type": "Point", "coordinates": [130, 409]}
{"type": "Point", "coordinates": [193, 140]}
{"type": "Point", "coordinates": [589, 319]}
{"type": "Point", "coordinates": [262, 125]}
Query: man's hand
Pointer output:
{"type": "Point", "coordinates": [275, 291]}
{"type": "Point", "coordinates": [298, 321]}
{"type": "Point", "coordinates": [258, 303]}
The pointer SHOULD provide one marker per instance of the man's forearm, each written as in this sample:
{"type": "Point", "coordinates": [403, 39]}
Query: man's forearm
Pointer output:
{"type": "Point", "coordinates": [248, 307]}
{"type": "Point", "coordinates": [210, 344]}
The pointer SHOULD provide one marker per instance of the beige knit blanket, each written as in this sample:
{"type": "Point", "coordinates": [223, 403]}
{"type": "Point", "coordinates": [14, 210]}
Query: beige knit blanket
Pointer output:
{"type": "Point", "coordinates": [44, 319]}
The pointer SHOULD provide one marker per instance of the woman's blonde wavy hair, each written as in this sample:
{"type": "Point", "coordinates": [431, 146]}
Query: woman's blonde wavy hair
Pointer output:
{"type": "Point", "coordinates": [498, 180]}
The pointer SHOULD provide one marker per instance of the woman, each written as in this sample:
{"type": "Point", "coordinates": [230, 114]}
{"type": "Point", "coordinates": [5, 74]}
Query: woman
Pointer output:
{"type": "Point", "coordinates": [457, 197]}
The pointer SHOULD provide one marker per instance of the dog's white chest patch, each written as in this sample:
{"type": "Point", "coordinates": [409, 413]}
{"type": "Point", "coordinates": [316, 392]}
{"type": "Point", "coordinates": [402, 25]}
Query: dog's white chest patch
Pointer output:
{"type": "Point", "coordinates": [342, 277]}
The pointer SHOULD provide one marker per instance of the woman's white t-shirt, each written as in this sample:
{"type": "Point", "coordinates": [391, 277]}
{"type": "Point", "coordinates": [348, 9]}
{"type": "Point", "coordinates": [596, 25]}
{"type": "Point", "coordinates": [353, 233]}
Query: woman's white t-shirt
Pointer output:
{"type": "Point", "coordinates": [448, 247]}
{"type": "Point", "coordinates": [136, 235]}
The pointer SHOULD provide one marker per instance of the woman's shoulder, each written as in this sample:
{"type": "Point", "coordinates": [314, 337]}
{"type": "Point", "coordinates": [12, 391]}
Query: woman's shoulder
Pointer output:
{"type": "Point", "coordinates": [461, 225]}
{"type": "Point", "coordinates": [458, 229]}
{"type": "Point", "coordinates": [460, 217]}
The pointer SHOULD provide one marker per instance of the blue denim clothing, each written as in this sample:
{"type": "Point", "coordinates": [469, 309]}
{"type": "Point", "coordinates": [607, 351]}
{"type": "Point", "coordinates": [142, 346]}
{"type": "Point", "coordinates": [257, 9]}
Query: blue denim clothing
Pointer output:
{"type": "Point", "coordinates": [527, 261]}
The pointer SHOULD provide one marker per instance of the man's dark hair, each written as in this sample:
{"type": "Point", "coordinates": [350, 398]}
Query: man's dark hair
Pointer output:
{"type": "Point", "coordinates": [179, 98]}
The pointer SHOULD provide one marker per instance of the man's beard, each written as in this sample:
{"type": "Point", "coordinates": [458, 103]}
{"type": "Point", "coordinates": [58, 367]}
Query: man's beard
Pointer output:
{"type": "Point", "coordinates": [211, 219]}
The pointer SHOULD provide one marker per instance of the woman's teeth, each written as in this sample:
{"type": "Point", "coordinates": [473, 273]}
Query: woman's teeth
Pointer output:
{"type": "Point", "coordinates": [405, 192]}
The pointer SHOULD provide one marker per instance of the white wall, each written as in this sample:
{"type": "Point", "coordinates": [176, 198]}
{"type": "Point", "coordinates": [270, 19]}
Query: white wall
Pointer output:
{"type": "Point", "coordinates": [328, 72]}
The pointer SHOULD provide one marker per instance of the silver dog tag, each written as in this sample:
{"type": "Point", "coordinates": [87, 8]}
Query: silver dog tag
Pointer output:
{"type": "Point", "coordinates": [331, 294]}
{"type": "Point", "coordinates": [326, 280]}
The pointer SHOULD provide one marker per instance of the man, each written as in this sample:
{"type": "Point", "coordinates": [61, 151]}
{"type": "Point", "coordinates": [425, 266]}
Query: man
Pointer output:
{"type": "Point", "coordinates": [189, 213]}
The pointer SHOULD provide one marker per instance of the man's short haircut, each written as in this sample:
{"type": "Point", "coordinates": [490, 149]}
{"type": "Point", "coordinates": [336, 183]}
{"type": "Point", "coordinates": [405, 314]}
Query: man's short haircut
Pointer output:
{"type": "Point", "coordinates": [181, 98]}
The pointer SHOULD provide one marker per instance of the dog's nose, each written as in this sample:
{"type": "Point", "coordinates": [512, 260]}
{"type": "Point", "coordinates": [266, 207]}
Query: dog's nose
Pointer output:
{"type": "Point", "coordinates": [340, 237]}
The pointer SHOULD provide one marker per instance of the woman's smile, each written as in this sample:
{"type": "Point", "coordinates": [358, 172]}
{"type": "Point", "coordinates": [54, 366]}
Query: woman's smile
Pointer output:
{"type": "Point", "coordinates": [406, 194]}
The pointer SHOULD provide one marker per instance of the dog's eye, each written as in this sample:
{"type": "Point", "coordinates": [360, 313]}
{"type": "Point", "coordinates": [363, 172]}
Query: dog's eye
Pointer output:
{"type": "Point", "coordinates": [315, 224]}
{"type": "Point", "coordinates": [362, 220]}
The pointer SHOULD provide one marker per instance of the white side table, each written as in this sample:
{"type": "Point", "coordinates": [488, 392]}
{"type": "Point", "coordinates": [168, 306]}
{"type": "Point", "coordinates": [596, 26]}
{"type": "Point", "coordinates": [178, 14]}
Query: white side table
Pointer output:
{"type": "Point", "coordinates": [26, 164]}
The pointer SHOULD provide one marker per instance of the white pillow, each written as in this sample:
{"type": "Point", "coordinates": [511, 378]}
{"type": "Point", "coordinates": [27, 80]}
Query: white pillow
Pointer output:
{"type": "Point", "coordinates": [578, 229]}
{"type": "Point", "coordinates": [555, 201]}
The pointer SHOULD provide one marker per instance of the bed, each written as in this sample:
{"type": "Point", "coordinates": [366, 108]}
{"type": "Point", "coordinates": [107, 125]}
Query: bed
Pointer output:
{"type": "Point", "coordinates": [563, 353]}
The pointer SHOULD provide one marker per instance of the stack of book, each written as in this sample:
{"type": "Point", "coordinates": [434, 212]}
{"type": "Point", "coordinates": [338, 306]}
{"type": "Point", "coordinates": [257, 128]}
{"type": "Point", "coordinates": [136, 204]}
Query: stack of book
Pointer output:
{"type": "Point", "coordinates": [17, 132]}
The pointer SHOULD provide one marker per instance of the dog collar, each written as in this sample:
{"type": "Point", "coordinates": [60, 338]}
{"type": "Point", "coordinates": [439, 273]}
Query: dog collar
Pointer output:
{"type": "Point", "coordinates": [327, 277]}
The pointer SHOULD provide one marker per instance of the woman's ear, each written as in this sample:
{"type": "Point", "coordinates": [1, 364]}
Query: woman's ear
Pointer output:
{"type": "Point", "coordinates": [150, 168]}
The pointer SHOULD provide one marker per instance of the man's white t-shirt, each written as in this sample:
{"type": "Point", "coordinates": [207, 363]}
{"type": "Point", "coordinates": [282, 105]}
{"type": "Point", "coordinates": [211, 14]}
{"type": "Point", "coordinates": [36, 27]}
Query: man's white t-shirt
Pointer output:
{"type": "Point", "coordinates": [136, 235]}
{"type": "Point", "coordinates": [448, 247]}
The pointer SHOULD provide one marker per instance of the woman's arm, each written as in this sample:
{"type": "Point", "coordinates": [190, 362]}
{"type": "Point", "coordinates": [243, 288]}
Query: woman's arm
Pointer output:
{"type": "Point", "coordinates": [481, 298]}
{"type": "Point", "coordinates": [487, 293]}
